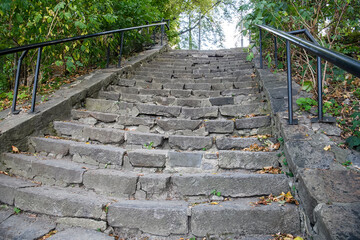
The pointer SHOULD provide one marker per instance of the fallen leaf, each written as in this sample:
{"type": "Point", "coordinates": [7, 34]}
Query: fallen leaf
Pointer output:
{"type": "Point", "coordinates": [15, 149]}
{"type": "Point", "coordinates": [327, 148]}
{"type": "Point", "coordinates": [214, 203]}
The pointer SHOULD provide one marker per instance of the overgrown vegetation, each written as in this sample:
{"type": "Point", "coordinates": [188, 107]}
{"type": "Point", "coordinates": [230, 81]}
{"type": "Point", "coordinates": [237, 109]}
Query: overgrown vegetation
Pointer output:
{"type": "Point", "coordinates": [335, 25]}
{"type": "Point", "coordinates": [28, 21]}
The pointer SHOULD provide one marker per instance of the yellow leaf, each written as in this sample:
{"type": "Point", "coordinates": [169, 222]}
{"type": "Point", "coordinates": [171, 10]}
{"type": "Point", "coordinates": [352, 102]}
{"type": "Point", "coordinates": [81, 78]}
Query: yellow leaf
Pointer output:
{"type": "Point", "coordinates": [327, 148]}
{"type": "Point", "coordinates": [87, 143]}
{"type": "Point", "coordinates": [15, 149]}
{"type": "Point", "coordinates": [214, 203]}
{"type": "Point", "coordinates": [298, 238]}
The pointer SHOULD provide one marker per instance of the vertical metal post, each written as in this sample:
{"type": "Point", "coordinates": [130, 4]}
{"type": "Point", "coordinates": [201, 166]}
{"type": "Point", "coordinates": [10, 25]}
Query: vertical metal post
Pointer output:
{"type": "Point", "coordinates": [121, 48]}
{"type": "Point", "coordinates": [108, 56]}
{"type": "Point", "coordinates": [38, 62]}
{"type": "Point", "coordinates": [16, 88]}
{"type": "Point", "coordinates": [289, 80]}
{"type": "Point", "coordinates": [319, 83]}
{"type": "Point", "coordinates": [275, 52]}
{"type": "Point", "coordinates": [199, 30]}
{"type": "Point", "coordinates": [261, 57]}
{"type": "Point", "coordinates": [162, 34]}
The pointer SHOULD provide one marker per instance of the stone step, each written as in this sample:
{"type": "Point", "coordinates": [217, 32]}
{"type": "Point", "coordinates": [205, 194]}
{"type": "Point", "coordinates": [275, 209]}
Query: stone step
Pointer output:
{"type": "Point", "coordinates": [172, 125]}
{"type": "Point", "coordinates": [153, 159]}
{"type": "Point", "coordinates": [215, 84]}
{"type": "Point", "coordinates": [229, 97]}
{"type": "Point", "coordinates": [244, 77]}
{"type": "Point", "coordinates": [138, 109]}
{"type": "Point", "coordinates": [166, 218]}
{"type": "Point", "coordinates": [52, 200]}
{"type": "Point", "coordinates": [236, 71]}
{"type": "Point", "coordinates": [128, 184]}
{"type": "Point", "coordinates": [158, 217]}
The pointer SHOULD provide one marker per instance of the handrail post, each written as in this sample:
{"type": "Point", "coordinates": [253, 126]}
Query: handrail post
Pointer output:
{"type": "Point", "coordinates": [261, 57]}
{"type": "Point", "coordinates": [275, 52]}
{"type": "Point", "coordinates": [38, 62]}
{"type": "Point", "coordinates": [319, 83]}
{"type": "Point", "coordinates": [162, 34]}
{"type": "Point", "coordinates": [121, 48]}
{"type": "Point", "coordinates": [16, 88]}
{"type": "Point", "coordinates": [108, 56]}
{"type": "Point", "coordinates": [289, 87]}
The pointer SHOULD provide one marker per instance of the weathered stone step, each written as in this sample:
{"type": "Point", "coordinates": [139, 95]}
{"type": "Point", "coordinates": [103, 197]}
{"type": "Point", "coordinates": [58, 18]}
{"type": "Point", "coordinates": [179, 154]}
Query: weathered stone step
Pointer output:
{"type": "Point", "coordinates": [215, 84]}
{"type": "Point", "coordinates": [229, 97]}
{"type": "Point", "coordinates": [245, 76]}
{"type": "Point", "coordinates": [167, 160]}
{"type": "Point", "coordinates": [136, 109]}
{"type": "Point", "coordinates": [211, 68]}
{"type": "Point", "coordinates": [126, 184]}
{"type": "Point", "coordinates": [45, 170]}
{"type": "Point", "coordinates": [166, 218]}
{"type": "Point", "coordinates": [153, 217]}
{"type": "Point", "coordinates": [54, 201]}
{"type": "Point", "coordinates": [236, 71]}
{"type": "Point", "coordinates": [171, 125]}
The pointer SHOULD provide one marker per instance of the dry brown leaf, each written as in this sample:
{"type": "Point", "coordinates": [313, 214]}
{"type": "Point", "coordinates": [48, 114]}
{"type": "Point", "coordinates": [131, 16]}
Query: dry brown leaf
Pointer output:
{"type": "Point", "coordinates": [15, 149]}
{"type": "Point", "coordinates": [327, 148]}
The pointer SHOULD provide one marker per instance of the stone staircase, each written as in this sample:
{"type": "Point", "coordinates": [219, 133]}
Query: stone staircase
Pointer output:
{"type": "Point", "coordinates": [160, 154]}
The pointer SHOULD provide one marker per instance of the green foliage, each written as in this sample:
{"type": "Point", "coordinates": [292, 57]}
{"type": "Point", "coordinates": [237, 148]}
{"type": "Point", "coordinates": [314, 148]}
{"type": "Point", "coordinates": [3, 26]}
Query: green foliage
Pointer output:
{"type": "Point", "coordinates": [17, 210]}
{"type": "Point", "coordinates": [354, 140]}
{"type": "Point", "coordinates": [306, 103]}
{"type": "Point", "coordinates": [26, 22]}
{"type": "Point", "coordinates": [149, 146]}
{"type": "Point", "coordinates": [215, 193]}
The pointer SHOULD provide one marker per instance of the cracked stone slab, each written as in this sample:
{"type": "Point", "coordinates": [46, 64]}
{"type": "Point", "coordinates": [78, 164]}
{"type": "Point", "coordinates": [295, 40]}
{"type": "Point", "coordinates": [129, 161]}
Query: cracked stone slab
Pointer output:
{"type": "Point", "coordinates": [190, 142]}
{"type": "Point", "coordinates": [102, 117]}
{"type": "Point", "coordinates": [326, 186]}
{"type": "Point", "coordinates": [55, 201]}
{"type": "Point", "coordinates": [240, 219]}
{"type": "Point", "coordinates": [338, 221]}
{"type": "Point", "coordinates": [155, 92]}
{"type": "Point", "coordinates": [9, 186]}
{"type": "Point", "coordinates": [135, 121]}
{"type": "Point", "coordinates": [247, 160]}
{"type": "Point", "coordinates": [109, 95]}
{"type": "Point", "coordinates": [186, 102]}
{"type": "Point", "coordinates": [158, 110]}
{"type": "Point", "coordinates": [253, 122]}
{"type": "Point", "coordinates": [226, 143]}
{"type": "Point", "coordinates": [185, 159]}
{"type": "Point", "coordinates": [24, 226]}
{"type": "Point", "coordinates": [66, 222]}
{"type": "Point", "coordinates": [111, 182]}
{"type": "Point", "coordinates": [156, 186]}
{"type": "Point", "coordinates": [80, 234]}
{"type": "Point", "coordinates": [178, 124]}
{"type": "Point", "coordinates": [242, 110]}
{"type": "Point", "coordinates": [95, 154]}
{"type": "Point", "coordinates": [229, 185]}
{"type": "Point", "coordinates": [181, 93]}
{"type": "Point", "coordinates": [148, 158]}
{"type": "Point", "coordinates": [138, 138]}
{"type": "Point", "coordinates": [304, 154]}
{"type": "Point", "coordinates": [50, 145]}
{"type": "Point", "coordinates": [155, 217]}
{"type": "Point", "coordinates": [220, 101]}
{"type": "Point", "coordinates": [197, 113]}
{"type": "Point", "coordinates": [219, 126]}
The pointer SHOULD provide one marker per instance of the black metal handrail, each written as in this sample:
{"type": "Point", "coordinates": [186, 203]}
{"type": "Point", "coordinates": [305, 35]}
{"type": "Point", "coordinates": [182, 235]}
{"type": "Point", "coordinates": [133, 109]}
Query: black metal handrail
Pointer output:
{"type": "Point", "coordinates": [344, 62]}
{"type": "Point", "coordinates": [24, 49]}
